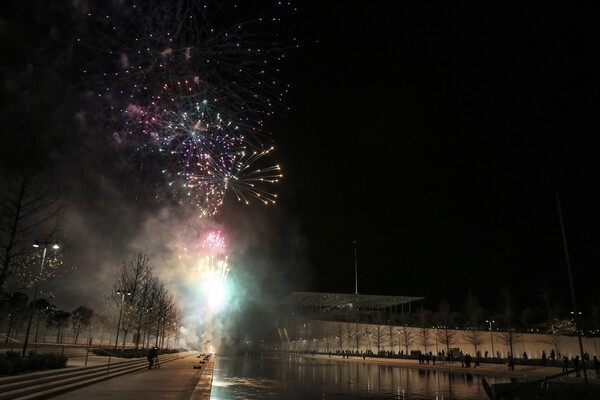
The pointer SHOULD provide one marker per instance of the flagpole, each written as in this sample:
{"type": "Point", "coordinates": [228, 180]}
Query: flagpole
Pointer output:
{"type": "Point", "coordinates": [355, 271]}
{"type": "Point", "coordinates": [573, 299]}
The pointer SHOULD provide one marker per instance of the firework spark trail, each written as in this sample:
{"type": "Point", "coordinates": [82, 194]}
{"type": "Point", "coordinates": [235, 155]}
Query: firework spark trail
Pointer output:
{"type": "Point", "coordinates": [196, 144]}
{"type": "Point", "coordinates": [209, 261]}
{"type": "Point", "coordinates": [195, 82]}
{"type": "Point", "coordinates": [208, 153]}
{"type": "Point", "coordinates": [213, 270]}
{"type": "Point", "coordinates": [235, 55]}
{"type": "Point", "coordinates": [247, 182]}
{"type": "Point", "coordinates": [214, 242]}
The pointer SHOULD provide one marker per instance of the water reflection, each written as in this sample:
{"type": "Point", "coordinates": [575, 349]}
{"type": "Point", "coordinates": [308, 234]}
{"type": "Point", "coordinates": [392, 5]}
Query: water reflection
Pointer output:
{"type": "Point", "coordinates": [297, 377]}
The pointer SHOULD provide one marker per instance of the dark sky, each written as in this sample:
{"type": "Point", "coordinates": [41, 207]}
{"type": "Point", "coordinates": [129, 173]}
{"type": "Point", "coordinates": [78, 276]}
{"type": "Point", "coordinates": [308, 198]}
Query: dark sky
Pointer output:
{"type": "Point", "coordinates": [437, 138]}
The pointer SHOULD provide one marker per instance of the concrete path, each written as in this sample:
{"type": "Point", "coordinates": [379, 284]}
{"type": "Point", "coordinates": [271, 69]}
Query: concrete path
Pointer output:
{"type": "Point", "coordinates": [174, 380]}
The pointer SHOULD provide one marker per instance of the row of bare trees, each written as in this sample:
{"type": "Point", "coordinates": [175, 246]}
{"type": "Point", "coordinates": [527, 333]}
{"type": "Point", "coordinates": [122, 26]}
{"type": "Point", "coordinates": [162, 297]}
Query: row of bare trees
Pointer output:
{"type": "Point", "coordinates": [541, 311]}
{"type": "Point", "coordinates": [146, 307]}
{"type": "Point", "coordinates": [356, 337]}
{"type": "Point", "coordinates": [31, 210]}
{"type": "Point", "coordinates": [445, 327]}
{"type": "Point", "coordinates": [16, 308]}
{"type": "Point", "coordinates": [140, 308]}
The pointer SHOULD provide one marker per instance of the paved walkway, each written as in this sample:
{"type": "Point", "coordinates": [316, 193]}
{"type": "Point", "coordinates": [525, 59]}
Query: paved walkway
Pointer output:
{"type": "Point", "coordinates": [174, 380]}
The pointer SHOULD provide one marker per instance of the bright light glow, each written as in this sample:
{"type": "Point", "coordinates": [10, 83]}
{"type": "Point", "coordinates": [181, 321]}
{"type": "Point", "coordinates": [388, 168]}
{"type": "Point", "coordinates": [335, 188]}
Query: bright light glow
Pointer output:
{"type": "Point", "coordinates": [216, 292]}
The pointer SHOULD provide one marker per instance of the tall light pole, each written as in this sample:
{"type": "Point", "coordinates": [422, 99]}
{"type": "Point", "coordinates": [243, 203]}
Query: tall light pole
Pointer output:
{"type": "Point", "coordinates": [37, 286]}
{"type": "Point", "coordinates": [122, 293]}
{"type": "Point", "coordinates": [491, 321]}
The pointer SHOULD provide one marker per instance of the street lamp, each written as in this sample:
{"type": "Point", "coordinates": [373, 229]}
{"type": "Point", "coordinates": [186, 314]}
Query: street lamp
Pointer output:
{"type": "Point", "coordinates": [37, 243]}
{"type": "Point", "coordinates": [491, 321]}
{"type": "Point", "coordinates": [122, 293]}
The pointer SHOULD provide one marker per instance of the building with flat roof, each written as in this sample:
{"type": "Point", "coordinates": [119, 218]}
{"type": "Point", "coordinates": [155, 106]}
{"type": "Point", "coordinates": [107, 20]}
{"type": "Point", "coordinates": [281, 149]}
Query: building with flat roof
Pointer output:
{"type": "Point", "coordinates": [342, 307]}
{"type": "Point", "coordinates": [314, 316]}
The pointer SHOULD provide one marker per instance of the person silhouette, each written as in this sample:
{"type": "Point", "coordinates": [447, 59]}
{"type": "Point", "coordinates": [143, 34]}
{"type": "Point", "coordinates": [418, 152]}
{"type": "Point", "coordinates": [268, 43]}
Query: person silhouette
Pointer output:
{"type": "Point", "coordinates": [152, 356]}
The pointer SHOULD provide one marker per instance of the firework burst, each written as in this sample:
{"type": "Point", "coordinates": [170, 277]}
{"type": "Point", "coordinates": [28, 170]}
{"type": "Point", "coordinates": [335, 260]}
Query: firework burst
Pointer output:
{"type": "Point", "coordinates": [204, 152]}
{"type": "Point", "coordinates": [194, 82]}
{"type": "Point", "coordinates": [233, 50]}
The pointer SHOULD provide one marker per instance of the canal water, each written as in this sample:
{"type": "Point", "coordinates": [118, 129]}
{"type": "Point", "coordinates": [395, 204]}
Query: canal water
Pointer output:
{"type": "Point", "coordinates": [295, 377]}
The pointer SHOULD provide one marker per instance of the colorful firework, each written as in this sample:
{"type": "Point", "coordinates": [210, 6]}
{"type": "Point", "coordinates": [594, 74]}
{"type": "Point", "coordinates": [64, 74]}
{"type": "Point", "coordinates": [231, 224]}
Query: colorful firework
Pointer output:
{"type": "Point", "coordinates": [213, 270]}
{"type": "Point", "coordinates": [195, 82]}
{"type": "Point", "coordinates": [247, 181]}
{"type": "Point", "coordinates": [205, 153]}
{"type": "Point", "coordinates": [214, 243]}
{"type": "Point", "coordinates": [234, 50]}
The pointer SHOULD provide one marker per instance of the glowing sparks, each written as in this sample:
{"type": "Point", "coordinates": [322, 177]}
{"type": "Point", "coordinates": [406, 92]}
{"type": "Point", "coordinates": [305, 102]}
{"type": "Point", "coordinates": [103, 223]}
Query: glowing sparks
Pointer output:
{"type": "Point", "coordinates": [194, 86]}
{"type": "Point", "coordinates": [206, 153]}
{"type": "Point", "coordinates": [212, 269]}
{"type": "Point", "coordinates": [214, 242]}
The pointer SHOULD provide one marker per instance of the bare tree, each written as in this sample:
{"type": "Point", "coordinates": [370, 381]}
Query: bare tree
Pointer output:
{"type": "Point", "coordinates": [367, 332]}
{"type": "Point", "coordinates": [407, 338]}
{"type": "Point", "coordinates": [473, 337]}
{"type": "Point", "coordinates": [390, 334]}
{"type": "Point", "coordinates": [132, 280]}
{"type": "Point", "coordinates": [30, 210]}
{"type": "Point", "coordinates": [59, 319]}
{"type": "Point", "coordinates": [339, 333]}
{"type": "Point", "coordinates": [473, 312]}
{"type": "Point", "coordinates": [81, 318]}
{"type": "Point", "coordinates": [423, 316]}
{"type": "Point", "coordinates": [44, 309]}
{"type": "Point", "coordinates": [474, 317]}
{"type": "Point", "coordinates": [357, 335]}
{"type": "Point", "coordinates": [144, 308]}
{"type": "Point", "coordinates": [507, 306]}
{"type": "Point", "coordinates": [549, 303]}
{"type": "Point", "coordinates": [424, 338]}
{"type": "Point", "coordinates": [16, 307]}
{"type": "Point", "coordinates": [445, 319]}
{"type": "Point", "coordinates": [379, 337]}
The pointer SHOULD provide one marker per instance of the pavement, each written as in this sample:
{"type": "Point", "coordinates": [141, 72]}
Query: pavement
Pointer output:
{"type": "Point", "coordinates": [179, 380]}
{"type": "Point", "coordinates": [174, 380]}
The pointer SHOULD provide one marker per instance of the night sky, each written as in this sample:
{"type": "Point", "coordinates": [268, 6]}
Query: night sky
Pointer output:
{"type": "Point", "coordinates": [436, 137]}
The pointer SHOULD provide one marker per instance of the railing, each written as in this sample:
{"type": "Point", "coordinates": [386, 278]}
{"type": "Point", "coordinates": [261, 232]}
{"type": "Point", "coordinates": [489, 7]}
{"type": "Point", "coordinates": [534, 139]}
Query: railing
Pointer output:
{"type": "Point", "coordinates": [110, 355]}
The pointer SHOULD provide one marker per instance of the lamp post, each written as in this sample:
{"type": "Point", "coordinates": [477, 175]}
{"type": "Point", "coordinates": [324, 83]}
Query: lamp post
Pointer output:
{"type": "Point", "coordinates": [37, 286]}
{"type": "Point", "coordinates": [490, 321]}
{"type": "Point", "coordinates": [122, 293]}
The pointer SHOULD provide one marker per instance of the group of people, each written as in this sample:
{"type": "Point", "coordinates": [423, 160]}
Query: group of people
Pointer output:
{"type": "Point", "coordinates": [577, 364]}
